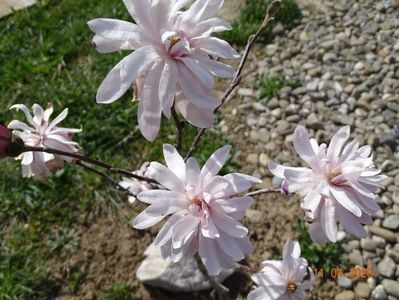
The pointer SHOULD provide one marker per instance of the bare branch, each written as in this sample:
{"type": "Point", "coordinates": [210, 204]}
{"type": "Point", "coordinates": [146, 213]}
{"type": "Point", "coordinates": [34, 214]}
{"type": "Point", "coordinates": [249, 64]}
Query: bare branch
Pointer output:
{"type": "Point", "coordinates": [237, 77]}
{"type": "Point", "coordinates": [179, 128]}
{"type": "Point", "coordinates": [107, 177]}
{"type": "Point", "coordinates": [91, 161]}
{"type": "Point", "coordinates": [264, 191]}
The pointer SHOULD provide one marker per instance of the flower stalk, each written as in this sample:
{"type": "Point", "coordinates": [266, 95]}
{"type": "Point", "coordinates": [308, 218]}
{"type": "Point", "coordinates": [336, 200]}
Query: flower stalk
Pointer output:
{"type": "Point", "coordinates": [92, 161]}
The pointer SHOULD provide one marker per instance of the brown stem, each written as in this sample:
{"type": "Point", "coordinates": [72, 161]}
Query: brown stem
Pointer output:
{"type": "Point", "coordinates": [179, 128]}
{"type": "Point", "coordinates": [237, 77]}
{"type": "Point", "coordinates": [89, 160]}
{"type": "Point", "coordinates": [264, 191]}
{"type": "Point", "coordinates": [220, 289]}
{"type": "Point", "coordinates": [107, 177]}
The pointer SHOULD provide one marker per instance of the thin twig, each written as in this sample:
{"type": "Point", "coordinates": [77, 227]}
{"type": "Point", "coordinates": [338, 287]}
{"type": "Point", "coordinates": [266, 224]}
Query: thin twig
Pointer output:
{"type": "Point", "coordinates": [220, 289]}
{"type": "Point", "coordinates": [264, 191]}
{"type": "Point", "coordinates": [236, 79]}
{"type": "Point", "coordinates": [91, 161]}
{"type": "Point", "coordinates": [107, 177]}
{"type": "Point", "coordinates": [179, 128]}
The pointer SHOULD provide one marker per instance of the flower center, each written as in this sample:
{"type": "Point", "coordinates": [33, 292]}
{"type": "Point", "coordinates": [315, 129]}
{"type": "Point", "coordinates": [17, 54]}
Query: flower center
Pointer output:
{"type": "Point", "coordinates": [173, 40]}
{"type": "Point", "coordinates": [291, 287]}
{"type": "Point", "coordinates": [198, 207]}
{"type": "Point", "coordinates": [334, 174]}
{"type": "Point", "coordinates": [176, 44]}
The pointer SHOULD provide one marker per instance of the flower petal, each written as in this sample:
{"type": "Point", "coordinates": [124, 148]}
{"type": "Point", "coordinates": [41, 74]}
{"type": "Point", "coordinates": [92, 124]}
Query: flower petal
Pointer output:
{"type": "Point", "coordinates": [124, 73]}
{"type": "Point", "coordinates": [344, 197]}
{"type": "Point", "coordinates": [215, 163]}
{"type": "Point", "coordinates": [167, 86]}
{"type": "Point", "coordinates": [174, 161]}
{"type": "Point", "coordinates": [165, 177]}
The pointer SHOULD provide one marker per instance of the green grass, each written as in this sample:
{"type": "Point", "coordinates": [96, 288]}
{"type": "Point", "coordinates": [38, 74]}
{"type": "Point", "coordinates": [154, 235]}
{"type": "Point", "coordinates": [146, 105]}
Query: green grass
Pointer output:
{"type": "Point", "coordinates": [119, 292]}
{"type": "Point", "coordinates": [269, 86]}
{"type": "Point", "coordinates": [326, 256]}
{"type": "Point", "coordinates": [46, 56]}
{"type": "Point", "coordinates": [252, 16]}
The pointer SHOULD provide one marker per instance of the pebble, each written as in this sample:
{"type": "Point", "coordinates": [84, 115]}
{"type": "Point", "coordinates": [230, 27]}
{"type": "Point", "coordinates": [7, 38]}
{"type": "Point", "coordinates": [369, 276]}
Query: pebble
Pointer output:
{"type": "Point", "coordinates": [391, 287]}
{"type": "Point", "coordinates": [379, 293]}
{"type": "Point", "coordinates": [345, 282]}
{"type": "Point", "coordinates": [362, 289]}
{"type": "Point", "coordinates": [391, 222]}
{"type": "Point", "coordinates": [384, 233]}
{"type": "Point", "coordinates": [347, 295]}
{"type": "Point", "coordinates": [387, 267]}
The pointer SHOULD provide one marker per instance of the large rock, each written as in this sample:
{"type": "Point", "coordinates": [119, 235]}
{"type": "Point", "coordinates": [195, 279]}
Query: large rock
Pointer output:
{"type": "Point", "coordinates": [183, 276]}
{"type": "Point", "coordinates": [379, 293]}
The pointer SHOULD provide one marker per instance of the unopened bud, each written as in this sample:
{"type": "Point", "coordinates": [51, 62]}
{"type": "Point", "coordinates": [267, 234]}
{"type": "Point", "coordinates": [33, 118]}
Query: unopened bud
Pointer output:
{"type": "Point", "coordinates": [16, 147]}
{"type": "Point", "coordinates": [5, 140]}
{"type": "Point", "coordinates": [273, 8]}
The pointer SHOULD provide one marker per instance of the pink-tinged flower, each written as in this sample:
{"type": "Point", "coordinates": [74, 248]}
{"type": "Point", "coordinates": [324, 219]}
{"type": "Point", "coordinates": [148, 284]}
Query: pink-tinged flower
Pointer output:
{"type": "Point", "coordinates": [41, 132]}
{"type": "Point", "coordinates": [136, 186]}
{"type": "Point", "coordinates": [5, 140]}
{"type": "Point", "coordinates": [283, 280]}
{"type": "Point", "coordinates": [204, 209]}
{"type": "Point", "coordinates": [339, 186]}
{"type": "Point", "coordinates": [174, 61]}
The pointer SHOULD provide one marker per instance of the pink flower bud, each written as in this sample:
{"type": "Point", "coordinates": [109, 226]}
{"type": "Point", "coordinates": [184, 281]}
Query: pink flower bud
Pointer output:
{"type": "Point", "coordinates": [5, 140]}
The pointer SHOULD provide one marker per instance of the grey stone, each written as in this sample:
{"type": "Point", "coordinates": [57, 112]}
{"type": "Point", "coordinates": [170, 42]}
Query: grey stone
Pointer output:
{"type": "Point", "coordinates": [379, 293]}
{"type": "Point", "coordinates": [391, 287]}
{"type": "Point", "coordinates": [386, 267]}
{"type": "Point", "coordinates": [362, 289]}
{"type": "Point", "coordinates": [356, 258]}
{"type": "Point", "coordinates": [347, 295]}
{"type": "Point", "coordinates": [182, 276]}
{"type": "Point", "coordinates": [345, 282]}
{"type": "Point", "coordinates": [391, 222]}
{"type": "Point", "coordinates": [368, 244]}
{"type": "Point", "coordinates": [384, 233]}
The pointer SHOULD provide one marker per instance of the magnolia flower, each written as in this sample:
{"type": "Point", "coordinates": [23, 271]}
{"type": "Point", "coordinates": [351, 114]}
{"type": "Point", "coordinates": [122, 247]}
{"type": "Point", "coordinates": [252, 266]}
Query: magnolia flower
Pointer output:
{"type": "Point", "coordinates": [5, 140]}
{"type": "Point", "coordinates": [339, 185]}
{"type": "Point", "coordinates": [136, 186]}
{"type": "Point", "coordinates": [42, 133]}
{"type": "Point", "coordinates": [283, 280]}
{"type": "Point", "coordinates": [205, 210]}
{"type": "Point", "coordinates": [174, 61]}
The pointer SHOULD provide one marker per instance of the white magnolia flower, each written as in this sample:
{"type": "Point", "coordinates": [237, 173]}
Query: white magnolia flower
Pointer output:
{"type": "Point", "coordinates": [339, 185]}
{"type": "Point", "coordinates": [41, 132]}
{"type": "Point", "coordinates": [204, 208]}
{"type": "Point", "coordinates": [174, 62]}
{"type": "Point", "coordinates": [283, 280]}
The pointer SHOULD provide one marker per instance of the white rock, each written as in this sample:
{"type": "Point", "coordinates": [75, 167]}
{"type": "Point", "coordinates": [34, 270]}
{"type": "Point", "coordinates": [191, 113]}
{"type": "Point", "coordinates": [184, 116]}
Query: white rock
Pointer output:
{"type": "Point", "coordinates": [379, 293]}
{"type": "Point", "coordinates": [183, 276]}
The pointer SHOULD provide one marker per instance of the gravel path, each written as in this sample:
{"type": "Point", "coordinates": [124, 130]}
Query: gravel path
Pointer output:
{"type": "Point", "coordinates": [346, 62]}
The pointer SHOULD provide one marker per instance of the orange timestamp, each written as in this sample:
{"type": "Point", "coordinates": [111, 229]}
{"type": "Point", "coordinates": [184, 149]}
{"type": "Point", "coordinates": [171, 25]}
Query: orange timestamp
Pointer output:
{"type": "Point", "coordinates": [336, 272]}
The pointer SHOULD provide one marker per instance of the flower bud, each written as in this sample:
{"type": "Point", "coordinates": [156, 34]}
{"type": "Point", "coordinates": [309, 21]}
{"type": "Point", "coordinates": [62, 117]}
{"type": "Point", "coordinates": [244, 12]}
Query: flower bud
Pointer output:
{"type": "Point", "coordinates": [5, 140]}
{"type": "Point", "coordinates": [16, 147]}
{"type": "Point", "coordinates": [273, 8]}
